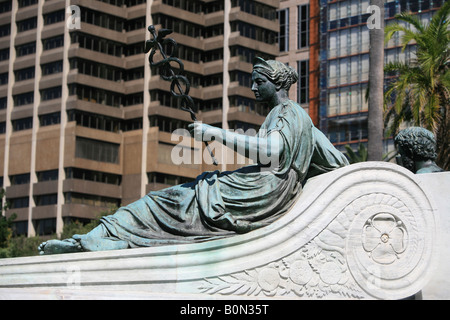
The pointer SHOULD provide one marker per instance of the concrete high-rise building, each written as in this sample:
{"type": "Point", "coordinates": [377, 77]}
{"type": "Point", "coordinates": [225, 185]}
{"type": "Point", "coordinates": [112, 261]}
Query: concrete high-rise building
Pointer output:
{"type": "Point", "coordinates": [299, 48]}
{"type": "Point", "coordinates": [85, 124]}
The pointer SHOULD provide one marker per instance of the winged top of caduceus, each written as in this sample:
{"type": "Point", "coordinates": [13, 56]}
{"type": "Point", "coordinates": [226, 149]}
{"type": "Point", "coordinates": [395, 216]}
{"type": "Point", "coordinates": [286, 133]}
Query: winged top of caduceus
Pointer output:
{"type": "Point", "coordinates": [168, 48]}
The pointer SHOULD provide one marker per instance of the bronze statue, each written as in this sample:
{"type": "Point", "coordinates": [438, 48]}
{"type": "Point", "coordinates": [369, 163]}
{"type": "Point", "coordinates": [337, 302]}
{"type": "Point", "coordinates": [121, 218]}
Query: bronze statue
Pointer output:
{"type": "Point", "coordinates": [417, 150]}
{"type": "Point", "coordinates": [221, 204]}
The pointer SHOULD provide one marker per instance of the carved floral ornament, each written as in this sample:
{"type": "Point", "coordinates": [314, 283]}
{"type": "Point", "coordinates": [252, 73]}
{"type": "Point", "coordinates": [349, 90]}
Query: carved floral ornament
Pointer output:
{"type": "Point", "coordinates": [310, 273]}
{"type": "Point", "coordinates": [384, 238]}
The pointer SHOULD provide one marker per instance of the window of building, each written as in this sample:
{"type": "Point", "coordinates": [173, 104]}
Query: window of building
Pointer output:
{"type": "Point", "coordinates": [4, 78]}
{"type": "Point", "coordinates": [248, 55]}
{"type": "Point", "coordinates": [53, 42]}
{"type": "Point", "coordinates": [179, 26]}
{"type": "Point", "coordinates": [4, 54]}
{"type": "Point", "coordinates": [244, 78]}
{"type": "Point", "coordinates": [48, 175]}
{"type": "Point", "coordinates": [167, 124]}
{"type": "Point", "coordinates": [102, 45]}
{"type": "Point", "coordinates": [23, 99]}
{"type": "Point", "coordinates": [20, 228]}
{"type": "Point", "coordinates": [118, 3]}
{"type": "Point", "coordinates": [50, 119]}
{"type": "Point", "coordinates": [303, 81]}
{"type": "Point", "coordinates": [96, 176]}
{"type": "Point", "coordinates": [133, 49]}
{"type": "Point", "coordinates": [194, 6]}
{"type": "Point", "coordinates": [134, 74]}
{"type": "Point", "coordinates": [24, 74]}
{"type": "Point", "coordinates": [54, 17]}
{"type": "Point", "coordinates": [3, 103]}
{"type": "Point", "coordinates": [45, 226]}
{"type": "Point", "coordinates": [26, 49]}
{"type": "Point", "coordinates": [91, 200]}
{"type": "Point", "coordinates": [346, 130]}
{"type": "Point", "coordinates": [94, 121]}
{"type": "Point", "coordinates": [27, 24]}
{"type": "Point", "coordinates": [347, 99]}
{"type": "Point", "coordinates": [132, 124]}
{"type": "Point", "coordinates": [133, 99]}
{"type": "Point", "coordinates": [98, 70]}
{"type": "Point", "coordinates": [136, 24]}
{"type": "Point", "coordinates": [96, 95]}
{"type": "Point", "coordinates": [5, 6]}
{"type": "Point", "coordinates": [2, 131]}
{"type": "Point", "coordinates": [258, 33]}
{"type": "Point", "coordinates": [52, 67]}
{"type": "Point", "coordinates": [22, 124]}
{"type": "Point", "coordinates": [26, 3]}
{"type": "Point", "coordinates": [283, 36]}
{"type": "Point", "coordinates": [5, 30]}
{"type": "Point", "coordinates": [303, 26]}
{"type": "Point", "coordinates": [102, 19]}
{"type": "Point", "coordinates": [163, 178]}
{"type": "Point", "coordinates": [46, 199]}
{"type": "Point", "coordinates": [51, 93]}
{"type": "Point", "coordinates": [16, 179]}
{"type": "Point", "coordinates": [255, 8]}
{"type": "Point", "coordinates": [132, 3]}
{"type": "Point", "coordinates": [97, 150]}
{"type": "Point", "coordinates": [17, 203]}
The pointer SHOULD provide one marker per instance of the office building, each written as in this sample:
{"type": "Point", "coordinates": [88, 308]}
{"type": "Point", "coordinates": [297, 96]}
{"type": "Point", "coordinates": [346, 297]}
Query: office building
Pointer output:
{"type": "Point", "coordinates": [344, 64]}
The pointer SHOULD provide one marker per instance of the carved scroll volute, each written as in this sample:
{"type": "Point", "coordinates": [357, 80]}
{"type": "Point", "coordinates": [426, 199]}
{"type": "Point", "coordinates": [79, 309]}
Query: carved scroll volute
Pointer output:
{"type": "Point", "coordinates": [389, 246]}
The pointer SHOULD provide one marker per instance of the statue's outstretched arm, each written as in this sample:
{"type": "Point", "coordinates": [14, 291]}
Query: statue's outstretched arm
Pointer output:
{"type": "Point", "coordinates": [252, 147]}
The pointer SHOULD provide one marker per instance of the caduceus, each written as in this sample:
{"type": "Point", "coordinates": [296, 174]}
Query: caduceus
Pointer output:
{"type": "Point", "coordinates": [167, 72]}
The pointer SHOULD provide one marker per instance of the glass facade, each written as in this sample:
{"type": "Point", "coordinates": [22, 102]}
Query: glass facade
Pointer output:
{"type": "Point", "coordinates": [344, 66]}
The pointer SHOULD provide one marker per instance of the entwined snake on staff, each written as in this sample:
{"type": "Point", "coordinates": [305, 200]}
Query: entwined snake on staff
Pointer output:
{"type": "Point", "coordinates": [167, 73]}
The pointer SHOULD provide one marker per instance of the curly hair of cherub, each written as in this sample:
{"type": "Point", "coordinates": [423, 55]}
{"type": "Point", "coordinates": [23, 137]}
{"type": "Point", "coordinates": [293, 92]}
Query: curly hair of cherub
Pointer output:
{"type": "Point", "coordinates": [277, 72]}
{"type": "Point", "coordinates": [418, 142]}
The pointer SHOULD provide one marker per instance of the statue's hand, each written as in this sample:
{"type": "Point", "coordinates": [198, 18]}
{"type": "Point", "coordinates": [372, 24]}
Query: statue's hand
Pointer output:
{"type": "Point", "coordinates": [202, 132]}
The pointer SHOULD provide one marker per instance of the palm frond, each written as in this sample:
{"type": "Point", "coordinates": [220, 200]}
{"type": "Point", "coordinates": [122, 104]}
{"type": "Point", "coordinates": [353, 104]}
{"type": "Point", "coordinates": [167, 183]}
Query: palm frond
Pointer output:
{"type": "Point", "coordinates": [412, 20]}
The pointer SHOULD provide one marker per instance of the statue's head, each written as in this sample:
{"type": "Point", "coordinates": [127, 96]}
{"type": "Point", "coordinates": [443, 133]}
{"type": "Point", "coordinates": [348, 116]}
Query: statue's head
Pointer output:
{"type": "Point", "coordinates": [278, 75]}
{"type": "Point", "coordinates": [415, 144]}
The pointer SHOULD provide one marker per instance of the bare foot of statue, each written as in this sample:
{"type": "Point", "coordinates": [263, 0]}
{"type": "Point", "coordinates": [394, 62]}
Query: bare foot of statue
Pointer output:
{"type": "Point", "coordinates": [93, 241]}
{"type": "Point", "coordinates": [60, 246]}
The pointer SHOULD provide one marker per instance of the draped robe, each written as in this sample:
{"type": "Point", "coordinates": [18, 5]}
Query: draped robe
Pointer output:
{"type": "Point", "coordinates": [220, 204]}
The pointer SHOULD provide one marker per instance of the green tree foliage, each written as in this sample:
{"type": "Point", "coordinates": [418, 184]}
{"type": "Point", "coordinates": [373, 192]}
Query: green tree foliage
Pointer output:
{"type": "Point", "coordinates": [76, 227]}
{"type": "Point", "coordinates": [359, 156]}
{"type": "Point", "coordinates": [22, 246]}
{"type": "Point", "coordinates": [5, 227]}
{"type": "Point", "coordinates": [420, 93]}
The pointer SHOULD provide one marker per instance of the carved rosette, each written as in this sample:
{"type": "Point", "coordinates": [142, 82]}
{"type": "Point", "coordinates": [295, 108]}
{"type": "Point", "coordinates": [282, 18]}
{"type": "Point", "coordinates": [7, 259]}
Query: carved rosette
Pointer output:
{"type": "Point", "coordinates": [384, 238]}
{"type": "Point", "coordinates": [387, 245]}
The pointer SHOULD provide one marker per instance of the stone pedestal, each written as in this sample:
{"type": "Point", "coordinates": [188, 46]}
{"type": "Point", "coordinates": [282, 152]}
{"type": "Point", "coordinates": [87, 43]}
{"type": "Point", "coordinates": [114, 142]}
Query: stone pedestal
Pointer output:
{"type": "Point", "coordinates": [367, 231]}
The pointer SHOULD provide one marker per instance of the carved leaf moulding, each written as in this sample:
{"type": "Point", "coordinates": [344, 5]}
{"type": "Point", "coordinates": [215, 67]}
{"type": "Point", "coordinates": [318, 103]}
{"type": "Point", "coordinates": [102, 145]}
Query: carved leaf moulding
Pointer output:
{"type": "Point", "coordinates": [310, 273]}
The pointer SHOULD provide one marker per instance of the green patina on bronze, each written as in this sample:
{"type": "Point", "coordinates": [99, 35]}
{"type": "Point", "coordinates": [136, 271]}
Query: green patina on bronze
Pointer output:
{"type": "Point", "coordinates": [222, 204]}
{"type": "Point", "coordinates": [417, 150]}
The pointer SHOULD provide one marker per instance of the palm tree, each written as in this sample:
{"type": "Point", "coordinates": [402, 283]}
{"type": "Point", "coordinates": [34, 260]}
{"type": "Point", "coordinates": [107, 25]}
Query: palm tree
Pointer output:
{"type": "Point", "coordinates": [359, 156]}
{"type": "Point", "coordinates": [419, 95]}
{"type": "Point", "coordinates": [376, 81]}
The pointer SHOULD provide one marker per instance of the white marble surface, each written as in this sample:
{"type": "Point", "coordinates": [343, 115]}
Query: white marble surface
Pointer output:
{"type": "Point", "coordinates": [368, 231]}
